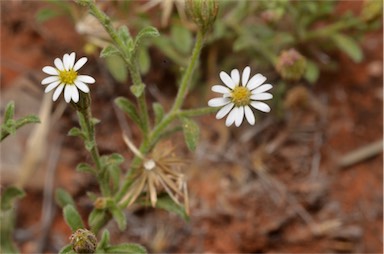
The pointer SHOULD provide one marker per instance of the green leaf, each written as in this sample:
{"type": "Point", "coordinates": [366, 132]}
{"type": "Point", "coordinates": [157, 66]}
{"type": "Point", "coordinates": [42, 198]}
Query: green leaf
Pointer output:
{"type": "Point", "coordinates": [311, 72]}
{"type": "Point", "coordinates": [114, 175]}
{"type": "Point", "coordinates": [97, 218]}
{"type": "Point", "coordinates": [182, 38]}
{"type": "Point", "coordinates": [89, 145]}
{"type": "Point", "coordinates": [9, 195]}
{"type": "Point", "coordinates": [95, 121]}
{"type": "Point", "coordinates": [144, 60]}
{"type": "Point", "coordinates": [115, 159]}
{"type": "Point", "coordinates": [105, 239]}
{"type": "Point", "coordinates": [63, 198]}
{"type": "Point", "coordinates": [123, 33]}
{"type": "Point", "coordinates": [116, 66]}
{"type": "Point", "coordinates": [191, 133]}
{"type": "Point", "coordinates": [128, 248]}
{"type": "Point", "coordinates": [164, 201]}
{"type": "Point", "coordinates": [348, 46]}
{"type": "Point", "coordinates": [67, 249]}
{"type": "Point", "coordinates": [72, 218]}
{"type": "Point", "coordinates": [137, 90]}
{"type": "Point", "coordinates": [26, 120]}
{"type": "Point", "coordinates": [45, 14]}
{"type": "Point", "coordinates": [159, 112]}
{"type": "Point", "coordinates": [147, 32]}
{"type": "Point", "coordinates": [119, 216]}
{"type": "Point", "coordinates": [76, 132]}
{"type": "Point", "coordinates": [127, 106]}
{"type": "Point", "coordinates": [85, 168]}
{"type": "Point", "coordinates": [109, 51]}
{"type": "Point", "coordinates": [9, 111]}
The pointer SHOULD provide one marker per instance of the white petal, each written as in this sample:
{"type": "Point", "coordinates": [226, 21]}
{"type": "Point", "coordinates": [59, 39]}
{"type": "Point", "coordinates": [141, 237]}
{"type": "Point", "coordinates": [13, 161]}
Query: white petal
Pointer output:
{"type": "Point", "coordinates": [59, 64]}
{"type": "Point", "coordinates": [51, 86]}
{"type": "Point", "coordinates": [75, 94]}
{"type": "Point", "coordinates": [218, 102]}
{"type": "Point", "coordinates": [72, 57]}
{"type": "Point", "coordinates": [50, 70]}
{"type": "Point", "coordinates": [221, 89]}
{"type": "Point", "coordinates": [224, 111]}
{"type": "Point", "coordinates": [260, 106]}
{"type": "Point", "coordinates": [49, 80]}
{"type": "Point", "coordinates": [235, 75]}
{"type": "Point", "coordinates": [240, 116]}
{"type": "Point", "coordinates": [255, 81]}
{"type": "Point", "coordinates": [231, 117]}
{"type": "Point", "coordinates": [86, 79]}
{"type": "Point", "coordinates": [66, 61]}
{"type": "Point", "coordinates": [249, 115]}
{"type": "Point", "coordinates": [227, 80]}
{"type": "Point", "coordinates": [83, 87]}
{"type": "Point", "coordinates": [245, 75]}
{"type": "Point", "coordinates": [261, 96]}
{"type": "Point", "coordinates": [80, 63]}
{"type": "Point", "coordinates": [57, 92]}
{"type": "Point", "coordinates": [262, 88]}
{"type": "Point", "coordinates": [68, 93]}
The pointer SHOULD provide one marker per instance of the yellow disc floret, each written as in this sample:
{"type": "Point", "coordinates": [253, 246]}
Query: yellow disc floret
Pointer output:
{"type": "Point", "coordinates": [68, 77]}
{"type": "Point", "coordinates": [240, 96]}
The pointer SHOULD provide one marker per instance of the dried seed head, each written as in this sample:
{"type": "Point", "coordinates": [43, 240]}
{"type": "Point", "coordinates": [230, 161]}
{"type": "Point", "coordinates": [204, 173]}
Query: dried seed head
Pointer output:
{"type": "Point", "coordinates": [83, 241]}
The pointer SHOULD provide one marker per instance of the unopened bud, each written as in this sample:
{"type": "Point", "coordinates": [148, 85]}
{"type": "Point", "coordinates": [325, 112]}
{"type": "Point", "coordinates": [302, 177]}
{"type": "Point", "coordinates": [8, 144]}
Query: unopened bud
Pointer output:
{"type": "Point", "coordinates": [83, 103]}
{"type": "Point", "coordinates": [84, 2]}
{"type": "Point", "coordinates": [202, 12]}
{"type": "Point", "coordinates": [83, 241]}
{"type": "Point", "coordinates": [291, 65]}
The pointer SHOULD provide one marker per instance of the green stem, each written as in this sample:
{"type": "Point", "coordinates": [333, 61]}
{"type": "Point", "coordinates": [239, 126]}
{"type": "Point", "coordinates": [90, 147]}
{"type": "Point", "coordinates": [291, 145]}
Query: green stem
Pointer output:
{"type": "Point", "coordinates": [183, 89]}
{"type": "Point", "coordinates": [88, 127]}
{"type": "Point", "coordinates": [141, 101]}
{"type": "Point", "coordinates": [135, 73]}
{"type": "Point", "coordinates": [106, 22]}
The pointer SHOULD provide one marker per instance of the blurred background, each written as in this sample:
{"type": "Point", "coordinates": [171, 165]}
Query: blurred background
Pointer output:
{"type": "Point", "coordinates": [307, 178]}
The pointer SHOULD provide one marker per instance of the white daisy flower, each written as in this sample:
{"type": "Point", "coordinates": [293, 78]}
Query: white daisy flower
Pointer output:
{"type": "Point", "coordinates": [239, 96]}
{"type": "Point", "coordinates": [64, 76]}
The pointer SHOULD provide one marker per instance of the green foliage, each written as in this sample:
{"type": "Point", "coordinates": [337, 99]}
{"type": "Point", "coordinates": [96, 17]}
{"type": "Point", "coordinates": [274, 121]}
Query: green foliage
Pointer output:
{"type": "Point", "coordinates": [128, 248]}
{"type": "Point", "coordinates": [85, 168]}
{"type": "Point", "coordinates": [119, 216]}
{"type": "Point", "coordinates": [109, 50]}
{"type": "Point", "coordinates": [191, 133]}
{"type": "Point", "coordinates": [9, 196]}
{"type": "Point", "coordinates": [159, 112]}
{"type": "Point", "coordinates": [46, 14]}
{"type": "Point", "coordinates": [67, 249]}
{"type": "Point", "coordinates": [348, 46]}
{"type": "Point", "coordinates": [164, 201]}
{"type": "Point", "coordinates": [104, 246]}
{"type": "Point", "coordinates": [72, 217]}
{"type": "Point", "coordinates": [130, 109]}
{"type": "Point", "coordinates": [10, 125]}
{"type": "Point", "coordinates": [97, 219]}
{"type": "Point", "coordinates": [63, 198]}
{"type": "Point", "coordinates": [116, 66]}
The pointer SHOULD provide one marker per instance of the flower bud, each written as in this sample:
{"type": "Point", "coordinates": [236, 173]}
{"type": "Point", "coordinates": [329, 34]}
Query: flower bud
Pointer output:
{"type": "Point", "coordinates": [291, 65]}
{"type": "Point", "coordinates": [202, 12]}
{"type": "Point", "coordinates": [83, 103]}
{"type": "Point", "coordinates": [83, 241]}
{"type": "Point", "coordinates": [84, 2]}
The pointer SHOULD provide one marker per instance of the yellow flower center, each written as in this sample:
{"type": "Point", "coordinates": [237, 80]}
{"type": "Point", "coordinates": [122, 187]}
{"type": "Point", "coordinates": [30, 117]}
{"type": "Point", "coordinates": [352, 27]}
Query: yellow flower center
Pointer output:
{"type": "Point", "coordinates": [240, 96]}
{"type": "Point", "coordinates": [68, 77]}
